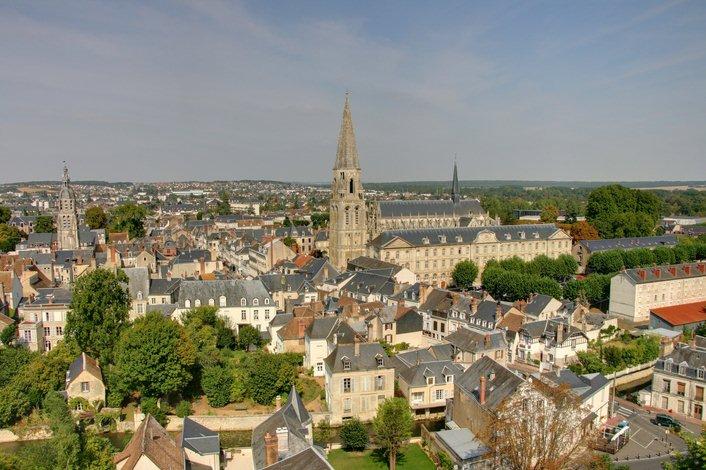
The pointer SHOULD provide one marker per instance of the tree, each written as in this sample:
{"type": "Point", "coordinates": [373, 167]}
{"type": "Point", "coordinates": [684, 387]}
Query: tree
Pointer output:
{"type": "Point", "coordinates": [207, 315]}
{"type": "Point", "coordinates": [353, 435]}
{"type": "Point", "coordinates": [571, 212]}
{"type": "Point", "coordinates": [248, 336]}
{"type": "Point", "coordinates": [151, 406]}
{"type": "Point", "coordinates": [216, 382]}
{"type": "Point", "coordinates": [96, 217]}
{"type": "Point", "coordinates": [154, 356]}
{"type": "Point", "coordinates": [605, 262]}
{"type": "Point", "coordinates": [267, 375]}
{"type": "Point", "coordinates": [223, 205]}
{"type": "Point", "coordinates": [617, 211]}
{"type": "Point", "coordinates": [549, 214]}
{"type": "Point", "coordinates": [7, 335]}
{"type": "Point", "coordinates": [5, 214]}
{"type": "Point", "coordinates": [393, 427]}
{"type": "Point", "coordinates": [543, 435]}
{"type": "Point", "coordinates": [128, 218]}
{"type": "Point", "coordinates": [44, 224]}
{"type": "Point", "coordinates": [465, 274]}
{"type": "Point", "coordinates": [9, 237]}
{"type": "Point", "coordinates": [582, 230]}
{"type": "Point", "coordinates": [322, 433]}
{"type": "Point", "coordinates": [98, 313]}
{"type": "Point", "coordinates": [319, 220]}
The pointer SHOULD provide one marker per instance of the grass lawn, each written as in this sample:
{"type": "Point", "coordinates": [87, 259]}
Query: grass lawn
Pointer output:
{"type": "Point", "coordinates": [412, 457]}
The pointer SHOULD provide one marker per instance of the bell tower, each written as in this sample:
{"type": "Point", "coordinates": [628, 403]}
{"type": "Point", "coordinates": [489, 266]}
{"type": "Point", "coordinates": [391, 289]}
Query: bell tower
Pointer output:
{"type": "Point", "coordinates": [347, 225]}
{"type": "Point", "coordinates": [67, 217]}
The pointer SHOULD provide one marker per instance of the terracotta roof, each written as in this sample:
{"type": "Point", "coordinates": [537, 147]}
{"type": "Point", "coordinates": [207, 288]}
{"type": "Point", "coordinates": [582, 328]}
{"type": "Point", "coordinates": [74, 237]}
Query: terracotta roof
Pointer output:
{"type": "Point", "coordinates": [151, 440]}
{"type": "Point", "coordinates": [295, 328]}
{"type": "Point", "coordinates": [513, 321]}
{"type": "Point", "coordinates": [301, 260]}
{"type": "Point", "coordinates": [683, 314]}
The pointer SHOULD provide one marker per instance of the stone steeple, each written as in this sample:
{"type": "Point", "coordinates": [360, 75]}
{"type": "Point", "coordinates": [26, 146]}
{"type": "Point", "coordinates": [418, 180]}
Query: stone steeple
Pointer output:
{"type": "Point", "coordinates": [455, 188]}
{"type": "Point", "coordinates": [348, 220]}
{"type": "Point", "coordinates": [67, 217]}
{"type": "Point", "coordinates": [347, 153]}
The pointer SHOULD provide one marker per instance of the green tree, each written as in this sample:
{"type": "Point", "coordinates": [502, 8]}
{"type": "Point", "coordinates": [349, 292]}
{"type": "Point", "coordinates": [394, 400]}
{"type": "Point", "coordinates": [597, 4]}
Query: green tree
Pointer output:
{"type": "Point", "coordinates": [128, 218]}
{"type": "Point", "coordinates": [5, 214]}
{"type": "Point", "coordinates": [207, 315]}
{"type": "Point", "coordinates": [44, 224]}
{"type": "Point", "coordinates": [98, 313]}
{"type": "Point", "coordinates": [248, 336]}
{"type": "Point", "coordinates": [223, 205]}
{"type": "Point", "coordinates": [353, 435]}
{"type": "Point", "coordinates": [393, 427]}
{"type": "Point", "coordinates": [9, 237]}
{"type": "Point", "coordinates": [7, 335]}
{"type": "Point", "coordinates": [268, 375]}
{"type": "Point", "coordinates": [549, 214]}
{"type": "Point", "coordinates": [617, 211]}
{"type": "Point", "coordinates": [322, 433]}
{"type": "Point", "coordinates": [154, 356]}
{"type": "Point", "coordinates": [151, 406]}
{"type": "Point", "coordinates": [96, 217]}
{"type": "Point", "coordinates": [183, 408]}
{"type": "Point", "coordinates": [664, 255]}
{"type": "Point", "coordinates": [605, 262]}
{"type": "Point", "coordinates": [319, 220]}
{"type": "Point", "coordinates": [216, 382]}
{"type": "Point", "coordinates": [465, 274]}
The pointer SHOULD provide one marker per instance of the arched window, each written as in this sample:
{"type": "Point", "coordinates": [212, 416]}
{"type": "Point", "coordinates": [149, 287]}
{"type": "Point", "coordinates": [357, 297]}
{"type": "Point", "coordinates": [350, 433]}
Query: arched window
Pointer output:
{"type": "Point", "coordinates": [348, 215]}
{"type": "Point", "coordinates": [211, 302]}
{"type": "Point", "coordinates": [267, 301]}
{"type": "Point", "coordinates": [197, 303]}
{"type": "Point", "coordinates": [242, 302]}
{"type": "Point", "coordinates": [222, 301]}
{"type": "Point", "coordinates": [187, 304]}
{"type": "Point", "coordinates": [357, 216]}
{"type": "Point", "coordinates": [350, 186]}
{"type": "Point", "coordinates": [255, 302]}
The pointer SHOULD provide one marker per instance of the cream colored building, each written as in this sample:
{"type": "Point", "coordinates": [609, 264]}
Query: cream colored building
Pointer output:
{"type": "Point", "coordinates": [634, 292]}
{"type": "Point", "coordinates": [84, 380]}
{"type": "Point", "coordinates": [433, 253]}
{"type": "Point", "coordinates": [679, 380]}
{"type": "Point", "coordinates": [358, 378]}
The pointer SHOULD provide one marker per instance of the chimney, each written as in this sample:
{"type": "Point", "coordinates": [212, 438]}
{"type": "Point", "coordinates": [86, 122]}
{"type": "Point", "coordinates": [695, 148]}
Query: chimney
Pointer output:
{"type": "Point", "coordinates": [642, 273]}
{"type": "Point", "coordinates": [202, 265]}
{"type": "Point", "coordinates": [482, 390]}
{"type": "Point", "coordinates": [278, 402]}
{"type": "Point", "coordinates": [271, 452]}
{"type": "Point", "coordinates": [560, 334]}
{"type": "Point", "coordinates": [657, 272]}
{"type": "Point", "coordinates": [302, 327]}
{"type": "Point", "coordinates": [687, 270]}
{"type": "Point", "coordinates": [169, 275]}
{"type": "Point", "coordinates": [474, 305]}
{"type": "Point", "coordinates": [701, 267]}
{"type": "Point", "coordinates": [672, 270]}
{"type": "Point", "coordinates": [112, 254]}
{"type": "Point", "coordinates": [486, 340]}
{"type": "Point", "coordinates": [356, 346]}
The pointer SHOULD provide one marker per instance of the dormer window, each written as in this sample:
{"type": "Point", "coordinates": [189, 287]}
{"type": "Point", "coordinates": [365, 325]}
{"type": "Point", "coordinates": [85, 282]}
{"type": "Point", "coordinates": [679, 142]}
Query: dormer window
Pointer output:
{"type": "Point", "coordinates": [430, 380]}
{"type": "Point", "coordinates": [459, 239]}
{"type": "Point", "coordinates": [211, 302]}
{"type": "Point", "coordinates": [449, 379]}
{"type": "Point", "coordinates": [243, 302]}
{"type": "Point", "coordinates": [700, 373]}
{"type": "Point", "coordinates": [442, 238]}
{"type": "Point", "coordinates": [508, 236]}
{"type": "Point", "coordinates": [222, 301]}
{"type": "Point", "coordinates": [535, 234]}
{"type": "Point", "coordinates": [267, 301]}
{"type": "Point", "coordinates": [346, 363]}
{"type": "Point", "coordinates": [197, 303]}
{"type": "Point", "coordinates": [682, 369]}
{"type": "Point", "coordinates": [255, 302]}
{"type": "Point", "coordinates": [425, 240]}
{"type": "Point", "coordinates": [522, 235]}
{"type": "Point", "coordinates": [379, 361]}
{"type": "Point", "coordinates": [187, 303]}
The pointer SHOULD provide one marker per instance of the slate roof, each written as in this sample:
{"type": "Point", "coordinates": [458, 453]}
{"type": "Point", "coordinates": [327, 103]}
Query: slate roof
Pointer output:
{"type": "Point", "coordinates": [330, 327]}
{"type": "Point", "coordinates": [364, 263]}
{"type": "Point", "coordinates": [164, 286]}
{"type": "Point", "coordinates": [233, 289]}
{"type": "Point", "coordinates": [463, 443]}
{"type": "Point", "coordinates": [312, 458]}
{"type": "Point", "coordinates": [584, 386]}
{"type": "Point", "coordinates": [287, 283]}
{"type": "Point", "coordinates": [474, 340]}
{"type": "Point", "coordinates": [293, 416]}
{"type": "Point", "coordinates": [629, 243]}
{"type": "Point", "coordinates": [365, 360]}
{"type": "Point", "coordinates": [199, 438]}
{"type": "Point", "coordinates": [365, 282]}
{"type": "Point", "coordinates": [500, 382]}
{"type": "Point", "coordinates": [694, 358]}
{"type": "Point", "coordinates": [60, 295]}
{"type": "Point", "coordinates": [138, 281]}
{"type": "Point", "coordinates": [537, 304]}
{"type": "Point", "coordinates": [665, 273]}
{"type": "Point", "coordinates": [416, 375]}
{"type": "Point", "coordinates": [415, 237]}
{"type": "Point", "coordinates": [281, 319]}
{"type": "Point", "coordinates": [83, 363]}
{"type": "Point", "coordinates": [192, 256]}
{"type": "Point", "coordinates": [409, 322]}
{"type": "Point", "coordinates": [547, 329]}
{"type": "Point", "coordinates": [433, 207]}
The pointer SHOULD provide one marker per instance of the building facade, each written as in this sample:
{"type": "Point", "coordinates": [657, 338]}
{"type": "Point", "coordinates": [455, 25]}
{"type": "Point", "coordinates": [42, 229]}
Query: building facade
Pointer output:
{"type": "Point", "coordinates": [432, 253]}
{"type": "Point", "coordinates": [679, 381]}
{"type": "Point", "coordinates": [347, 226]}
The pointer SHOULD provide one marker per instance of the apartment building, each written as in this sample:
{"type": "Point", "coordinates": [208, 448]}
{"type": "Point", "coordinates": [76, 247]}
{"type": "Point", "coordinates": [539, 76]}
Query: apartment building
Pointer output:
{"type": "Point", "coordinates": [44, 319]}
{"type": "Point", "coordinates": [679, 380]}
{"type": "Point", "coordinates": [358, 378]}
{"type": "Point", "coordinates": [634, 292]}
{"type": "Point", "coordinates": [432, 253]}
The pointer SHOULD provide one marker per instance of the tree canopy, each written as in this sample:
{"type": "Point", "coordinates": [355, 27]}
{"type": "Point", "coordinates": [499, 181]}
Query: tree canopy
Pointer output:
{"type": "Point", "coordinates": [617, 211]}
{"type": "Point", "coordinates": [5, 214]}
{"type": "Point", "coordinates": [98, 313]}
{"type": "Point", "coordinates": [96, 217]}
{"type": "Point", "coordinates": [128, 218]}
{"type": "Point", "coordinates": [393, 427]}
{"type": "Point", "coordinates": [9, 237]}
{"type": "Point", "coordinates": [44, 224]}
{"type": "Point", "coordinates": [465, 274]}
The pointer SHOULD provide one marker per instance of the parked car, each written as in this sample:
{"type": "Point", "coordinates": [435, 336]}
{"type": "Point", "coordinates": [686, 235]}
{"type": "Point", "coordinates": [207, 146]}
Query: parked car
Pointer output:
{"type": "Point", "coordinates": [667, 421]}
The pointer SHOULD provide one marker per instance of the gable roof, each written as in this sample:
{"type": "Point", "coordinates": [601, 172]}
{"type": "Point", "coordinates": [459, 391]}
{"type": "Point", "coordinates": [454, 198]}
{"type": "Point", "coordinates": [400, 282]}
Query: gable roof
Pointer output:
{"type": "Point", "coordinates": [199, 438]}
{"type": "Point", "coordinates": [474, 340]}
{"type": "Point", "coordinates": [83, 363]}
{"type": "Point", "coordinates": [155, 443]}
{"type": "Point", "coordinates": [365, 360]}
{"type": "Point", "coordinates": [500, 382]}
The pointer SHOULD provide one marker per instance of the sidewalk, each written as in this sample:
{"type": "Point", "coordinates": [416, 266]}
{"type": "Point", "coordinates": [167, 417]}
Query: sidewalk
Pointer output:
{"type": "Point", "coordinates": [654, 410]}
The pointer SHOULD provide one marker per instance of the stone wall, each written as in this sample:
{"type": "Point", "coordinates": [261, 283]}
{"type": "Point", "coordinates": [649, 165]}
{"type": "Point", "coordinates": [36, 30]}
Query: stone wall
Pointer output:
{"type": "Point", "coordinates": [231, 423]}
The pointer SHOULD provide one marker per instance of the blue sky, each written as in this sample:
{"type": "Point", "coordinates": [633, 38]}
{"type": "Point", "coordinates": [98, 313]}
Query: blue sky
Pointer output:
{"type": "Point", "coordinates": [179, 90]}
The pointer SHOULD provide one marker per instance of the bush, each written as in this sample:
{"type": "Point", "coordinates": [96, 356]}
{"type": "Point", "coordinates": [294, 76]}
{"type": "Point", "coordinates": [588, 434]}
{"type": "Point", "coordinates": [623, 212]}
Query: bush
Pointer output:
{"type": "Point", "coordinates": [354, 435]}
{"type": "Point", "coordinates": [150, 406]}
{"type": "Point", "coordinates": [183, 409]}
{"type": "Point", "coordinates": [216, 382]}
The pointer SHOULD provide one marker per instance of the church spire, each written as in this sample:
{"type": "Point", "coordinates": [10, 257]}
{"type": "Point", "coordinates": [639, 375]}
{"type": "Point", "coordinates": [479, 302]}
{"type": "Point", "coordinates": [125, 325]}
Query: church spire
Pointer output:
{"type": "Point", "coordinates": [347, 153]}
{"type": "Point", "coordinates": [455, 188]}
{"type": "Point", "coordinates": [66, 174]}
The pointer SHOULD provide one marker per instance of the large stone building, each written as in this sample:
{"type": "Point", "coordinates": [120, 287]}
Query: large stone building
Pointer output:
{"type": "Point", "coordinates": [679, 380]}
{"type": "Point", "coordinates": [347, 226]}
{"type": "Point", "coordinates": [67, 216]}
{"type": "Point", "coordinates": [432, 253]}
{"type": "Point", "coordinates": [425, 213]}
{"type": "Point", "coordinates": [634, 292]}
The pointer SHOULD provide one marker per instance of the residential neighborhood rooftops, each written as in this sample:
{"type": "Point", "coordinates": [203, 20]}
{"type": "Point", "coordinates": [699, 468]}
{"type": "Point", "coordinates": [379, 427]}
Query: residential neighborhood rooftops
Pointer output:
{"type": "Point", "coordinates": [500, 381]}
{"type": "Point", "coordinates": [153, 441]}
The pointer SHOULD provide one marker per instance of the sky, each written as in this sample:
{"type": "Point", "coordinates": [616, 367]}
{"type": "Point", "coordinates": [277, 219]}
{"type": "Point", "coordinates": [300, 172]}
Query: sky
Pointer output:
{"type": "Point", "coordinates": [223, 90]}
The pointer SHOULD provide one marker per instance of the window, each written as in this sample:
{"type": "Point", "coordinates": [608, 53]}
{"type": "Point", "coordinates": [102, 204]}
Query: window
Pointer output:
{"type": "Point", "coordinates": [700, 373]}
{"type": "Point", "coordinates": [430, 380]}
{"type": "Point", "coordinates": [28, 335]}
{"type": "Point", "coordinates": [47, 331]}
{"type": "Point", "coordinates": [243, 315]}
{"type": "Point", "coordinates": [680, 406]}
{"type": "Point", "coordinates": [85, 387]}
{"type": "Point", "coordinates": [682, 369]}
{"type": "Point", "coordinates": [379, 382]}
{"type": "Point", "coordinates": [449, 379]}
{"type": "Point", "coordinates": [319, 367]}
{"type": "Point", "coordinates": [440, 394]}
{"type": "Point", "coordinates": [665, 385]}
{"type": "Point", "coordinates": [222, 301]}
{"type": "Point", "coordinates": [255, 302]}
{"type": "Point", "coordinates": [267, 314]}
{"type": "Point", "coordinates": [347, 385]}
{"type": "Point", "coordinates": [47, 316]}
{"type": "Point", "coordinates": [699, 393]}
{"type": "Point", "coordinates": [346, 405]}
{"type": "Point", "coordinates": [255, 315]}
{"type": "Point", "coordinates": [665, 403]}
{"type": "Point", "coordinates": [242, 302]}
{"type": "Point", "coordinates": [417, 397]}
{"type": "Point", "coordinates": [267, 301]}
{"type": "Point", "coordinates": [197, 303]}
{"type": "Point", "coordinates": [187, 304]}
{"type": "Point", "coordinates": [59, 331]}
{"type": "Point", "coordinates": [681, 389]}
{"type": "Point", "coordinates": [211, 302]}
{"type": "Point", "coordinates": [47, 345]}
{"type": "Point", "coordinates": [379, 361]}
{"type": "Point", "coordinates": [346, 364]}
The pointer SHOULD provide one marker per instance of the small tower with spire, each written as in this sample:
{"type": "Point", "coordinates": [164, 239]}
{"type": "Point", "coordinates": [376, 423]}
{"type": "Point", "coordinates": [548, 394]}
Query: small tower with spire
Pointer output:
{"type": "Point", "coordinates": [347, 226]}
{"type": "Point", "coordinates": [455, 188]}
{"type": "Point", "coordinates": [67, 215]}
